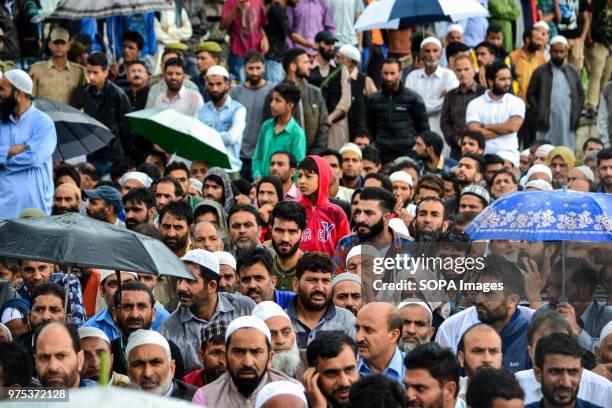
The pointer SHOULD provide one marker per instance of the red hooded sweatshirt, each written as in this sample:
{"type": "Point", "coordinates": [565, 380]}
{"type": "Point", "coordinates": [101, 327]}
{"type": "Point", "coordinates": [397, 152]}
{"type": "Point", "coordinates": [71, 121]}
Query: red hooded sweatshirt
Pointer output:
{"type": "Point", "coordinates": [326, 222]}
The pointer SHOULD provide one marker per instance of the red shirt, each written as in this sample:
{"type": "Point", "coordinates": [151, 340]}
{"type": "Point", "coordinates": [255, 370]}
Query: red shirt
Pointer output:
{"type": "Point", "coordinates": [245, 30]}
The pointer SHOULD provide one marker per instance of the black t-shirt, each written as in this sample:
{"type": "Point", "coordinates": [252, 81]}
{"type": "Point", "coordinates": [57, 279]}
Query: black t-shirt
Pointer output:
{"type": "Point", "coordinates": [277, 30]}
{"type": "Point", "coordinates": [572, 23]}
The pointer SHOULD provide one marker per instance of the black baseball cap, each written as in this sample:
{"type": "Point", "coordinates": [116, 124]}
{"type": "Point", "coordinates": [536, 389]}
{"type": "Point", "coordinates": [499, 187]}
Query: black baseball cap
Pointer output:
{"type": "Point", "coordinates": [325, 36]}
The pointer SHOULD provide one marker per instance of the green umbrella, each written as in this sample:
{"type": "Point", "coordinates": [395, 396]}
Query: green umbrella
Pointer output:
{"type": "Point", "coordinates": [180, 134]}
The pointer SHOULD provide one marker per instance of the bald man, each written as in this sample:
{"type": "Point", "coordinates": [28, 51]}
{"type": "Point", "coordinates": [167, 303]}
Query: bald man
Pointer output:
{"type": "Point", "coordinates": [67, 198]}
{"type": "Point", "coordinates": [377, 333]}
{"type": "Point", "coordinates": [479, 347]}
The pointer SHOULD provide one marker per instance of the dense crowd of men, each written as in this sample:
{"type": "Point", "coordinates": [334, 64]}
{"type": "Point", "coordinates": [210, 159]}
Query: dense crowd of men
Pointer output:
{"type": "Point", "coordinates": [343, 148]}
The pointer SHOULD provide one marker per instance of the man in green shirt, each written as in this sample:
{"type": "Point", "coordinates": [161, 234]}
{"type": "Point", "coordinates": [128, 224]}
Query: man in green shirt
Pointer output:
{"type": "Point", "coordinates": [281, 132]}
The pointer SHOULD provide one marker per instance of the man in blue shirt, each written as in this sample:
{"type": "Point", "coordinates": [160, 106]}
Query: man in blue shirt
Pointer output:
{"type": "Point", "coordinates": [225, 115]}
{"type": "Point", "coordinates": [27, 142]}
{"type": "Point", "coordinates": [377, 332]}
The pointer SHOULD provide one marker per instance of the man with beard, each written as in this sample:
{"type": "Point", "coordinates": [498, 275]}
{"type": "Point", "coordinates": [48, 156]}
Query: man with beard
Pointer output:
{"type": "Point", "coordinates": [352, 165]}
{"type": "Point", "coordinates": [67, 199]}
{"type": "Point", "coordinates": [180, 172]}
{"type": "Point", "coordinates": [133, 309]}
{"type": "Point", "coordinates": [178, 97]}
{"type": "Point", "coordinates": [428, 148]}
{"type": "Point", "coordinates": [256, 276]}
{"type": "Point", "coordinates": [470, 172]}
{"type": "Point", "coordinates": [430, 222]}
{"type": "Point", "coordinates": [480, 347]}
{"type": "Point", "coordinates": [104, 204]}
{"type": "Point", "coordinates": [225, 115]}
{"type": "Point", "coordinates": [332, 357]}
{"type": "Point", "coordinates": [175, 221]}
{"type": "Point", "coordinates": [347, 292]}
{"type": "Point", "coordinates": [604, 170]}
{"type": "Point", "coordinates": [287, 223]}
{"type": "Point", "coordinates": [417, 326]}
{"type": "Point", "coordinates": [244, 228]}
{"type": "Point", "coordinates": [311, 113]}
{"type": "Point", "coordinates": [134, 179]}
{"type": "Point", "coordinates": [139, 206]}
{"type": "Point", "coordinates": [167, 190]}
{"type": "Point", "coordinates": [432, 82]}
{"type": "Point", "coordinates": [474, 198]}
{"type": "Point", "coordinates": [286, 358]}
{"type": "Point", "coordinates": [283, 165]}
{"type": "Point", "coordinates": [58, 356]}
{"type": "Point", "coordinates": [95, 344]}
{"type": "Point", "coordinates": [371, 217]}
{"type": "Point", "coordinates": [251, 94]}
{"type": "Point", "coordinates": [212, 355]}
{"type": "Point", "coordinates": [228, 279]}
{"type": "Point", "coordinates": [27, 142]}
{"type": "Point", "coordinates": [152, 368]}
{"type": "Point", "coordinates": [555, 97]}
{"type": "Point", "coordinates": [377, 333]}
{"type": "Point", "coordinates": [432, 377]}
{"type": "Point", "coordinates": [200, 304]}
{"type": "Point", "coordinates": [525, 60]}
{"type": "Point", "coordinates": [558, 369]}
{"type": "Point", "coordinates": [497, 114]}
{"type": "Point", "coordinates": [312, 310]}
{"type": "Point", "coordinates": [249, 354]}
{"type": "Point", "coordinates": [396, 114]}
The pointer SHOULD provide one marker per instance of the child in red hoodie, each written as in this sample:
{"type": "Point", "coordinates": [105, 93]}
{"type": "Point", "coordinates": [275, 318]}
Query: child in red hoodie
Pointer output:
{"type": "Point", "coordinates": [327, 222]}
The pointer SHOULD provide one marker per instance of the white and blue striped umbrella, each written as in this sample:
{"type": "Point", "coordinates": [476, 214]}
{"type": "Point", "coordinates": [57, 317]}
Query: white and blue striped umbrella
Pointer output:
{"type": "Point", "coordinates": [78, 9]}
{"type": "Point", "coordinates": [394, 14]}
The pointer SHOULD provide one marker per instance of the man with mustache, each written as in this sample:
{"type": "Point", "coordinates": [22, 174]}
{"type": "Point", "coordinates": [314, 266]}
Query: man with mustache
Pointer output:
{"type": "Point", "coordinates": [371, 217]}
{"type": "Point", "coordinates": [312, 310]}
{"type": "Point", "coordinates": [104, 204]}
{"type": "Point", "coordinates": [287, 223]}
{"type": "Point", "coordinates": [286, 356]}
{"type": "Point", "coordinates": [432, 82]}
{"type": "Point", "coordinates": [94, 344]}
{"type": "Point", "coordinates": [133, 309]}
{"type": "Point", "coordinates": [347, 292]}
{"type": "Point", "coordinates": [332, 357]}
{"type": "Point", "coordinates": [249, 356]}
{"type": "Point", "coordinates": [177, 96]}
{"type": "Point", "coordinates": [256, 277]}
{"type": "Point", "coordinates": [526, 59]}
{"type": "Point", "coordinates": [417, 326]}
{"type": "Point", "coordinates": [175, 221]}
{"type": "Point", "coordinates": [430, 222]}
{"type": "Point", "coordinates": [67, 199]}
{"type": "Point", "coordinates": [497, 114]}
{"type": "Point", "coordinates": [212, 355]}
{"type": "Point", "coordinates": [152, 368]}
{"type": "Point", "coordinates": [138, 76]}
{"type": "Point", "coordinates": [139, 206]}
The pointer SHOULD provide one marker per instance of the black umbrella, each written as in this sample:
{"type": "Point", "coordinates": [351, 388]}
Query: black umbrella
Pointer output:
{"type": "Point", "coordinates": [77, 133]}
{"type": "Point", "coordinates": [73, 240]}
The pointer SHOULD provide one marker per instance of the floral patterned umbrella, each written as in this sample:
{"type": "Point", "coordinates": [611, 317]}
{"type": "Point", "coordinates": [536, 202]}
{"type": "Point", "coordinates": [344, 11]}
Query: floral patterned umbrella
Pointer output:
{"type": "Point", "coordinates": [558, 215]}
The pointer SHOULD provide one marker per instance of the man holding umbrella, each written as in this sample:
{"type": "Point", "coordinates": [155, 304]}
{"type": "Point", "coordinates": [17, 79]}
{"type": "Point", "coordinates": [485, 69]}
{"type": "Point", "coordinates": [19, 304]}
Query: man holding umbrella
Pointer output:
{"type": "Point", "coordinates": [27, 142]}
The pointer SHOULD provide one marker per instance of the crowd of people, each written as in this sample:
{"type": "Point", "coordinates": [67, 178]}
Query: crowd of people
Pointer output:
{"type": "Point", "coordinates": [344, 149]}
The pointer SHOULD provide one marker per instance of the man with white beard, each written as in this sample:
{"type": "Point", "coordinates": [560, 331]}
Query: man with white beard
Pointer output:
{"type": "Point", "coordinates": [417, 328]}
{"type": "Point", "coordinates": [286, 356]}
{"type": "Point", "coordinates": [151, 368]}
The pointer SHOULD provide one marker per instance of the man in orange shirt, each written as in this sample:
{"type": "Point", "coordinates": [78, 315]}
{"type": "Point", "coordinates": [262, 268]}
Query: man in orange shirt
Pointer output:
{"type": "Point", "coordinates": [526, 59]}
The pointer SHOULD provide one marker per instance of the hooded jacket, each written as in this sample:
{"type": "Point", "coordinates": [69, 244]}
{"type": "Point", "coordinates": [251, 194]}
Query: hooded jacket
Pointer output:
{"type": "Point", "coordinates": [327, 222]}
{"type": "Point", "coordinates": [228, 194]}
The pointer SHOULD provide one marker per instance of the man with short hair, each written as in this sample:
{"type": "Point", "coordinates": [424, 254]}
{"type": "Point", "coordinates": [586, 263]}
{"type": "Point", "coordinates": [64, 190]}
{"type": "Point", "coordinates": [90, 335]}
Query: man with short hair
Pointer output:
{"type": "Point", "coordinates": [16, 367]}
{"type": "Point", "coordinates": [249, 356]}
{"type": "Point", "coordinates": [139, 207]}
{"type": "Point", "coordinates": [332, 357]}
{"type": "Point", "coordinates": [67, 199]}
{"type": "Point", "coordinates": [180, 172]}
{"type": "Point", "coordinates": [138, 76]}
{"type": "Point", "coordinates": [430, 222]}
{"type": "Point", "coordinates": [151, 367]}
{"type": "Point", "coordinates": [207, 235]}
{"type": "Point", "coordinates": [58, 356]}
{"type": "Point", "coordinates": [428, 148]}
{"type": "Point", "coordinates": [104, 204]}
{"type": "Point", "coordinates": [201, 303]}
{"type": "Point", "coordinates": [57, 77]}
{"type": "Point", "coordinates": [431, 377]}
{"type": "Point", "coordinates": [175, 221]}
{"type": "Point", "coordinates": [286, 356]}
{"type": "Point", "coordinates": [178, 97]}
{"type": "Point", "coordinates": [417, 325]}
{"type": "Point", "coordinates": [377, 333]}
{"type": "Point", "coordinates": [312, 310]}
{"type": "Point", "coordinates": [395, 132]}
{"type": "Point", "coordinates": [257, 279]}
{"type": "Point", "coordinates": [432, 81]}
{"type": "Point", "coordinates": [244, 228]}
{"type": "Point", "coordinates": [347, 292]}
{"type": "Point", "coordinates": [225, 115]}
{"type": "Point", "coordinates": [283, 165]}
{"type": "Point", "coordinates": [526, 59]}
{"type": "Point", "coordinates": [604, 169]}
{"type": "Point", "coordinates": [95, 343]}
{"type": "Point", "coordinates": [472, 142]}
{"type": "Point", "coordinates": [167, 190]}
{"type": "Point", "coordinates": [494, 387]}
{"type": "Point", "coordinates": [497, 114]}
{"type": "Point", "coordinates": [212, 355]}
{"type": "Point", "coordinates": [287, 224]}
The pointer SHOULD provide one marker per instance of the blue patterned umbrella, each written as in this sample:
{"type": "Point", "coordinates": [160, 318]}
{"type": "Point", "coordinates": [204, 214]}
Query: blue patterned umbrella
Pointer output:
{"type": "Point", "coordinates": [558, 215]}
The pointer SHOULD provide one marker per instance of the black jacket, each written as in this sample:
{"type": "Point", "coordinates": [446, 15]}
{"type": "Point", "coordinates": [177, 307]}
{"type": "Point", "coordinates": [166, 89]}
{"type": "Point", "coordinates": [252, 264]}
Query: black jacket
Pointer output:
{"type": "Point", "coordinates": [109, 108]}
{"type": "Point", "coordinates": [395, 119]}
{"type": "Point", "coordinates": [182, 390]}
{"type": "Point", "coordinates": [11, 38]}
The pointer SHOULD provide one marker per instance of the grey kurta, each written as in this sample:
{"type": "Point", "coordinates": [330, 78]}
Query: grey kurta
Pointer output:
{"type": "Point", "coordinates": [559, 132]}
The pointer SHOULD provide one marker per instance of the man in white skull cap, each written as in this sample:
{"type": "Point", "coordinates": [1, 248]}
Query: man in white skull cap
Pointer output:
{"type": "Point", "coordinates": [417, 326]}
{"type": "Point", "coordinates": [27, 143]}
{"type": "Point", "coordinates": [94, 343]}
{"type": "Point", "coordinates": [151, 367]}
{"type": "Point", "coordinates": [134, 179]}
{"type": "Point", "coordinates": [281, 394]}
{"type": "Point", "coordinates": [249, 356]}
{"type": "Point", "coordinates": [286, 356]}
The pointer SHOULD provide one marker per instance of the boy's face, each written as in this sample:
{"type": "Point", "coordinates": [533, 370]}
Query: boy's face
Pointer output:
{"type": "Point", "coordinates": [307, 182]}
{"type": "Point", "coordinates": [279, 106]}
